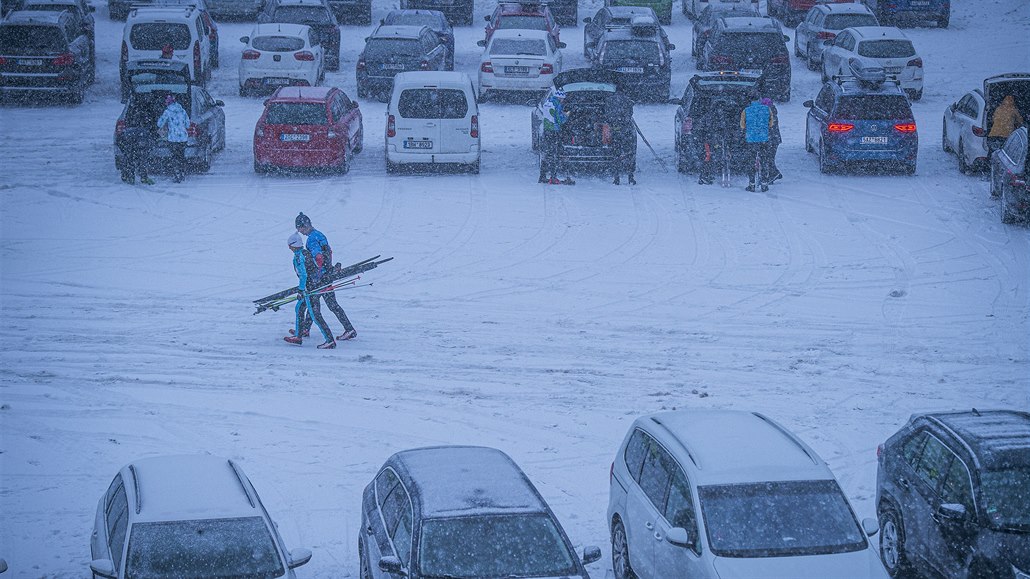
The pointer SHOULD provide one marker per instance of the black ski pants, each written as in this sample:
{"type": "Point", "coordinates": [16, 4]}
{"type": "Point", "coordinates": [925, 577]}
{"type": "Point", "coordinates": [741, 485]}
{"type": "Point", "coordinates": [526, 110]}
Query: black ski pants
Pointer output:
{"type": "Point", "coordinates": [758, 160]}
{"type": "Point", "coordinates": [334, 307]}
{"type": "Point", "coordinates": [305, 317]}
{"type": "Point", "coordinates": [549, 154]}
{"type": "Point", "coordinates": [178, 160]}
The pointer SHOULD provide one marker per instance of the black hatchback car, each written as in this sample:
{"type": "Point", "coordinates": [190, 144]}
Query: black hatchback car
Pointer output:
{"type": "Point", "coordinates": [434, 19]}
{"type": "Point", "coordinates": [393, 49]}
{"type": "Point", "coordinates": [952, 494]}
{"type": "Point", "coordinates": [711, 105]}
{"type": "Point", "coordinates": [740, 43]}
{"type": "Point", "coordinates": [461, 511]}
{"type": "Point", "coordinates": [1009, 171]}
{"type": "Point", "coordinates": [45, 53]}
{"type": "Point", "coordinates": [641, 54]}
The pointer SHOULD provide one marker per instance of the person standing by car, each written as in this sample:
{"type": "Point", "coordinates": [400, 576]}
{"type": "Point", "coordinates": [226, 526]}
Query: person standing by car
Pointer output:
{"type": "Point", "coordinates": [1006, 120]}
{"type": "Point", "coordinates": [756, 121]}
{"type": "Point", "coordinates": [136, 141]}
{"type": "Point", "coordinates": [713, 135]}
{"type": "Point", "coordinates": [555, 116]}
{"type": "Point", "coordinates": [322, 254]}
{"type": "Point", "coordinates": [176, 123]}
{"type": "Point", "coordinates": [774, 142]}
{"type": "Point", "coordinates": [305, 268]}
{"type": "Point", "coordinates": [625, 145]}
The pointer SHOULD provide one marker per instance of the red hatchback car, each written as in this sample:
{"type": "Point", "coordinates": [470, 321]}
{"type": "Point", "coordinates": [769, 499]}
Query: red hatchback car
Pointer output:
{"type": "Point", "coordinates": [522, 16]}
{"type": "Point", "coordinates": [307, 127]}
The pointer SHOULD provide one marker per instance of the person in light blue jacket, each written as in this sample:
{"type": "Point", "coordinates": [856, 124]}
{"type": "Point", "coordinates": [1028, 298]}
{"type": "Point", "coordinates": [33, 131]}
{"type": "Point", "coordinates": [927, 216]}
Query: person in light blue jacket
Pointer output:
{"type": "Point", "coordinates": [306, 271]}
{"type": "Point", "coordinates": [757, 121]}
{"type": "Point", "coordinates": [176, 122]}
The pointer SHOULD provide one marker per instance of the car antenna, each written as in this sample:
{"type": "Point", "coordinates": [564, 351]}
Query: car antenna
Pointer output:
{"type": "Point", "coordinates": [976, 412]}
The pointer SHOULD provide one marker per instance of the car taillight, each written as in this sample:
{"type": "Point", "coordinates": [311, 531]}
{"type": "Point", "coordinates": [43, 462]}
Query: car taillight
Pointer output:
{"type": "Point", "coordinates": [192, 130]}
{"type": "Point", "coordinates": [474, 129]}
{"type": "Point", "coordinates": [251, 54]}
{"type": "Point", "coordinates": [687, 126]}
{"type": "Point", "coordinates": [125, 52]}
{"type": "Point", "coordinates": [119, 127]}
{"type": "Point", "coordinates": [606, 134]}
{"type": "Point", "coordinates": [905, 127]}
{"type": "Point", "coordinates": [546, 69]}
{"type": "Point", "coordinates": [840, 127]}
{"type": "Point", "coordinates": [780, 59]}
{"type": "Point", "coordinates": [979, 131]}
{"type": "Point", "coordinates": [826, 35]}
{"type": "Point", "coordinates": [361, 63]}
{"type": "Point", "coordinates": [424, 65]}
{"type": "Point", "coordinates": [879, 451]}
{"type": "Point", "coordinates": [66, 59]}
{"type": "Point", "coordinates": [915, 62]}
{"type": "Point", "coordinates": [3, 61]}
{"type": "Point", "coordinates": [391, 126]}
{"type": "Point", "coordinates": [196, 59]}
{"type": "Point", "coordinates": [304, 56]}
{"type": "Point", "coordinates": [486, 66]}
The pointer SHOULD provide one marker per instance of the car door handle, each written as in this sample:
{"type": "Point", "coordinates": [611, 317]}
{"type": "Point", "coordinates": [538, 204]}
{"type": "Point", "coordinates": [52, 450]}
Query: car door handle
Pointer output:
{"type": "Point", "coordinates": [369, 531]}
{"type": "Point", "coordinates": [657, 536]}
{"type": "Point", "coordinates": [903, 482]}
{"type": "Point", "coordinates": [649, 525]}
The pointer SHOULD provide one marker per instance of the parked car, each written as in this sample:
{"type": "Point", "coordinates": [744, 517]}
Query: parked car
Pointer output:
{"type": "Point", "coordinates": [308, 127]}
{"type": "Point", "coordinates": [313, 13]}
{"type": "Point", "coordinates": [391, 50]}
{"type": "Point", "coordinates": [585, 142]}
{"type": "Point", "coordinates": [236, 9]}
{"type": "Point", "coordinates": [750, 44]}
{"type": "Point", "coordinates": [883, 46]}
{"type": "Point", "coordinates": [723, 493]}
{"type": "Point", "coordinates": [434, 19]}
{"type": "Point", "coordinates": [964, 132]}
{"type": "Point", "coordinates": [80, 10]}
{"type": "Point", "coordinates": [906, 11]}
{"type": "Point", "coordinates": [641, 54]}
{"type": "Point", "coordinates": [863, 117]}
{"type": "Point", "coordinates": [996, 88]}
{"type": "Point", "coordinates": [149, 82]}
{"type": "Point", "coordinates": [821, 25]}
{"type": "Point", "coordinates": [951, 491]}
{"type": "Point", "coordinates": [187, 516]}
{"type": "Point", "coordinates": [713, 11]}
{"type": "Point", "coordinates": [1009, 177]}
{"type": "Point", "coordinates": [714, 100]}
{"type": "Point", "coordinates": [693, 8]}
{"type": "Point", "coordinates": [518, 61]}
{"type": "Point", "coordinates": [611, 17]}
{"type": "Point", "coordinates": [456, 11]}
{"type": "Point", "coordinates": [790, 12]}
{"type": "Point", "coordinates": [432, 119]}
{"type": "Point", "coordinates": [280, 55]}
{"type": "Point", "coordinates": [461, 511]}
{"type": "Point", "coordinates": [565, 12]}
{"type": "Point", "coordinates": [3, 565]}
{"type": "Point", "coordinates": [523, 16]}
{"type": "Point", "coordinates": [150, 32]}
{"type": "Point", "coordinates": [353, 11]}
{"type": "Point", "coordinates": [45, 53]}
{"type": "Point", "coordinates": [663, 8]}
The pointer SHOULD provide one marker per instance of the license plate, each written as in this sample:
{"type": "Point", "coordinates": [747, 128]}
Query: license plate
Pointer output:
{"type": "Point", "coordinates": [30, 62]}
{"type": "Point", "coordinates": [516, 70]}
{"type": "Point", "coordinates": [393, 67]}
{"type": "Point", "coordinates": [892, 69]}
{"type": "Point", "coordinates": [637, 69]}
{"type": "Point", "coordinates": [920, 3]}
{"type": "Point", "coordinates": [294, 137]}
{"type": "Point", "coordinates": [277, 81]}
{"type": "Point", "coordinates": [874, 140]}
{"type": "Point", "coordinates": [418, 144]}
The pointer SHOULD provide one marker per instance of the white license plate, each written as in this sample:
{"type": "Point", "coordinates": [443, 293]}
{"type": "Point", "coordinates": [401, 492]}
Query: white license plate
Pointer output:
{"type": "Point", "coordinates": [920, 3]}
{"type": "Point", "coordinates": [893, 69]}
{"type": "Point", "coordinates": [394, 67]}
{"type": "Point", "coordinates": [418, 144]}
{"type": "Point", "coordinates": [277, 81]}
{"type": "Point", "coordinates": [874, 140]}
{"type": "Point", "coordinates": [516, 70]}
{"type": "Point", "coordinates": [30, 62]}
{"type": "Point", "coordinates": [294, 137]}
{"type": "Point", "coordinates": [636, 69]}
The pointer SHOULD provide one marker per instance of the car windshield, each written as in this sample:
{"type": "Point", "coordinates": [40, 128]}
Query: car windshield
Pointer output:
{"type": "Point", "coordinates": [886, 49]}
{"type": "Point", "coordinates": [408, 19]}
{"type": "Point", "coordinates": [513, 46]}
{"type": "Point", "coordinates": [523, 22]}
{"type": "Point", "coordinates": [842, 21]}
{"type": "Point", "coordinates": [155, 35]}
{"type": "Point", "coordinates": [778, 519]}
{"type": "Point", "coordinates": [873, 108]}
{"type": "Point", "coordinates": [528, 545]}
{"type": "Point", "coordinates": [432, 103]}
{"type": "Point", "coordinates": [741, 46]}
{"type": "Point", "coordinates": [636, 49]}
{"type": "Point", "coordinates": [302, 15]}
{"type": "Point", "coordinates": [31, 40]}
{"type": "Point", "coordinates": [732, 12]}
{"type": "Point", "coordinates": [218, 548]}
{"type": "Point", "coordinates": [1005, 495]}
{"type": "Point", "coordinates": [277, 43]}
{"type": "Point", "coordinates": [296, 114]}
{"type": "Point", "coordinates": [378, 48]}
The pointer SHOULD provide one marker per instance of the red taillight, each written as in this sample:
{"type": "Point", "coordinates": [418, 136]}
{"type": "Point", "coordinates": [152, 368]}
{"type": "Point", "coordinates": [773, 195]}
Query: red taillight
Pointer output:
{"type": "Point", "coordinates": [979, 131]}
{"type": "Point", "coordinates": [304, 56]}
{"type": "Point", "coordinates": [474, 129]}
{"type": "Point", "coordinates": [915, 62]}
{"type": "Point", "coordinates": [196, 59]}
{"type": "Point", "coordinates": [66, 59]}
{"type": "Point", "coordinates": [251, 54]}
{"type": "Point", "coordinates": [3, 61]}
{"type": "Point", "coordinates": [606, 134]}
{"type": "Point", "coordinates": [905, 127]}
{"type": "Point", "coordinates": [119, 127]}
{"type": "Point", "coordinates": [840, 127]}
{"type": "Point", "coordinates": [192, 130]}
{"type": "Point", "coordinates": [546, 69]}
{"type": "Point", "coordinates": [391, 126]}
{"type": "Point", "coordinates": [687, 126]}
{"type": "Point", "coordinates": [125, 52]}
{"type": "Point", "coordinates": [486, 66]}
{"type": "Point", "coordinates": [879, 450]}
{"type": "Point", "coordinates": [780, 59]}
{"type": "Point", "coordinates": [826, 35]}
{"type": "Point", "coordinates": [361, 64]}
{"type": "Point", "coordinates": [424, 65]}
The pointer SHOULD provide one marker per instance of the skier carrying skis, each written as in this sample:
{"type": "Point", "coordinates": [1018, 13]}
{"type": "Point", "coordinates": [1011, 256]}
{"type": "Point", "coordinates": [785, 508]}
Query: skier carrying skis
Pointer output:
{"type": "Point", "coordinates": [756, 120]}
{"type": "Point", "coordinates": [318, 246]}
{"type": "Point", "coordinates": [555, 116]}
{"type": "Point", "coordinates": [305, 267]}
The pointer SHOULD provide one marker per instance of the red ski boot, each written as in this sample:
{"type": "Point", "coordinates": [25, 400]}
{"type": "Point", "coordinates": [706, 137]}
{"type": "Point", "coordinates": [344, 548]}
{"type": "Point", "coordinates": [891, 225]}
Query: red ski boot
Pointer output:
{"type": "Point", "coordinates": [293, 340]}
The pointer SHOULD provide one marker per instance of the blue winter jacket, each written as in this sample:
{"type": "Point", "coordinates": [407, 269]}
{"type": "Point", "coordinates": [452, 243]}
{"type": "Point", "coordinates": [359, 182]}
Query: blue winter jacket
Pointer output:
{"type": "Point", "coordinates": [756, 121]}
{"type": "Point", "coordinates": [318, 246]}
{"type": "Point", "coordinates": [300, 268]}
{"type": "Point", "coordinates": [177, 121]}
{"type": "Point", "coordinates": [554, 114]}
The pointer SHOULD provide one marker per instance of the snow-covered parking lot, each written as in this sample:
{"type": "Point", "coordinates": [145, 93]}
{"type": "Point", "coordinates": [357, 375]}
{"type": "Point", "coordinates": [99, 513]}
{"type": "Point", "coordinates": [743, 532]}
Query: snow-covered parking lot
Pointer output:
{"type": "Point", "coordinates": [536, 319]}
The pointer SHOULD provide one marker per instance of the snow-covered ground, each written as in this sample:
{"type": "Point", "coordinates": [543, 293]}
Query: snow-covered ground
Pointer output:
{"type": "Point", "coordinates": [540, 320]}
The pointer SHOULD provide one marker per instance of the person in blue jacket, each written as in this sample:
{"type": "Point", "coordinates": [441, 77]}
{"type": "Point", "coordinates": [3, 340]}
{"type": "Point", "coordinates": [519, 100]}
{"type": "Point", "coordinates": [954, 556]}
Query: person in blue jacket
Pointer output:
{"type": "Point", "coordinates": [322, 253]}
{"type": "Point", "coordinates": [555, 116]}
{"type": "Point", "coordinates": [305, 268]}
{"type": "Point", "coordinates": [757, 121]}
{"type": "Point", "coordinates": [176, 122]}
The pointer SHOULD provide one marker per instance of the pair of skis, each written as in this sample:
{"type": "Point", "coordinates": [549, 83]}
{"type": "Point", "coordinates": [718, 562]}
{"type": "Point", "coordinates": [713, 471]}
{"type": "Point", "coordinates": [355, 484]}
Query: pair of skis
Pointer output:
{"type": "Point", "coordinates": [336, 278]}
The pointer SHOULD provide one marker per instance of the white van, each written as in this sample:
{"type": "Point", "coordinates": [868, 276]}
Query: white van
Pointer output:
{"type": "Point", "coordinates": [432, 118]}
{"type": "Point", "coordinates": [180, 29]}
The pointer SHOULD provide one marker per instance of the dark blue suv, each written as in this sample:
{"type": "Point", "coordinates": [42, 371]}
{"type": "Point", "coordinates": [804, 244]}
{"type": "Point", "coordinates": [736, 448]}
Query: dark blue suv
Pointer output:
{"type": "Point", "coordinates": [869, 120]}
{"type": "Point", "coordinates": [892, 12]}
{"type": "Point", "coordinates": [952, 492]}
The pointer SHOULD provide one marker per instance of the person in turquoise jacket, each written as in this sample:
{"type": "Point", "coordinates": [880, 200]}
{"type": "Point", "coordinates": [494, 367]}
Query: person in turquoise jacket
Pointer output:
{"type": "Point", "coordinates": [757, 121]}
{"type": "Point", "coordinates": [306, 270]}
{"type": "Point", "coordinates": [176, 122]}
{"type": "Point", "coordinates": [318, 246]}
{"type": "Point", "coordinates": [555, 117]}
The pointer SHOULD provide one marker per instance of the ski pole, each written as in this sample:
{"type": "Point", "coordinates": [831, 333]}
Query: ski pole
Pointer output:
{"type": "Point", "coordinates": [661, 161]}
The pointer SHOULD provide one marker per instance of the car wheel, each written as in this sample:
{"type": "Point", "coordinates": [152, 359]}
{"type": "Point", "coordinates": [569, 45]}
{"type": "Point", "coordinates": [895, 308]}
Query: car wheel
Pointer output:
{"type": "Point", "coordinates": [943, 21]}
{"type": "Point", "coordinates": [823, 74]}
{"type": "Point", "coordinates": [682, 163]}
{"type": "Point", "coordinates": [808, 142]}
{"type": "Point", "coordinates": [620, 553]}
{"type": "Point", "coordinates": [944, 137]}
{"type": "Point", "coordinates": [892, 544]}
{"type": "Point", "coordinates": [1007, 216]}
{"type": "Point", "coordinates": [797, 51]}
{"type": "Point", "coordinates": [810, 59]}
{"type": "Point", "coordinates": [204, 164]}
{"type": "Point", "coordinates": [963, 166]}
{"type": "Point", "coordinates": [824, 160]}
{"type": "Point", "coordinates": [995, 192]}
{"type": "Point", "coordinates": [366, 573]}
{"type": "Point", "coordinates": [360, 146]}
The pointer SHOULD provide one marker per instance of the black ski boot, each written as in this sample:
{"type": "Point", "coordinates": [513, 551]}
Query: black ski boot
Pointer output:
{"type": "Point", "coordinates": [616, 180]}
{"type": "Point", "coordinates": [631, 180]}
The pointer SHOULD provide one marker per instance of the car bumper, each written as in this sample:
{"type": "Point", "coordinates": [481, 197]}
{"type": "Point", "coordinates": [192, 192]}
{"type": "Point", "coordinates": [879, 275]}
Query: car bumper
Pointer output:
{"type": "Point", "coordinates": [300, 158]}
{"type": "Point", "coordinates": [256, 78]}
{"type": "Point", "coordinates": [491, 82]}
{"type": "Point", "coordinates": [906, 154]}
{"type": "Point", "coordinates": [37, 82]}
{"type": "Point", "coordinates": [400, 156]}
{"type": "Point", "coordinates": [160, 154]}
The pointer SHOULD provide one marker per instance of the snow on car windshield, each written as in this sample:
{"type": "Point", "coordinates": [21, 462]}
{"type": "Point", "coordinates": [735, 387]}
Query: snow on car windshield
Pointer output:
{"type": "Point", "coordinates": [155, 35]}
{"type": "Point", "coordinates": [239, 548]}
{"type": "Point", "coordinates": [31, 40]}
{"type": "Point", "coordinates": [523, 22]}
{"type": "Point", "coordinates": [296, 114]}
{"type": "Point", "coordinates": [873, 107]}
{"type": "Point", "coordinates": [277, 43]}
{"type": "Point", "coordinates": [302, 15]}
{"type": "Point", "coordinates": [1005, 495]}
{"type": "Point", "coordinates": [527, 545]}
{"type": "Point", "coordinates": [886, 49]}
{"type": "Point", "coordinates": [635, 49]}
{"type": "Point", "coordinates": [513, 46]}
{"type": "Point", "coordinates": [842, 21]}
{"type": "Point", "coordinates": [777, 519]}
{"type": "Point", "coordinates": [432, 103]}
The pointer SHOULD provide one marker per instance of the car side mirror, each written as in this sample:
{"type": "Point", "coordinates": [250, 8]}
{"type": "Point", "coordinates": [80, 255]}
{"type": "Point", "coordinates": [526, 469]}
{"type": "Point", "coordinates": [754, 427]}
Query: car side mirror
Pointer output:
{"type": "Point", "coordinates": [808, 104]}
{"type": "Point", "coordinates": [245, 39]}
{"type": "Point", "coordinates": [870, 526]}
{"type": "Point", "coordinates": [952, 512]}
{"type": "Point", "coordinates": [480, 43]}
{"type": "Point", "coordinates": [92, 8]}
{"type": "Point", "coordinates": [587, 20]}
{"type": "Point", "coordinates": [786, 38]}
{"type": "Point", "coordinates": [219, 103]}
{"type": "Point", "coordinates": [487, 18]}
{"type": "Point", "coordinates": [103, 568]}
{"type": "Point", "coordinates": [591, 554]}
{"type": "Point", "coordinates": [299, 557]}
{"type": "Point", "coordinates": [681, 537]}
{"type": "Point", "coordinates": [675, 101]}
{"type": "Point", "coordinates": [392, 565]}
{"type": "Point", "coordinates": [266, 102]}
{"type": "Point", "coordinates": [353, 105]}
{"type": "Point", "coordinates": [562, 45]}
{"type": "Point", "coordinates": [953, 107]}
{"type": "Point", "coordinates": [366, 38]}
{"type": "Point", "coordinates": [382, 21]}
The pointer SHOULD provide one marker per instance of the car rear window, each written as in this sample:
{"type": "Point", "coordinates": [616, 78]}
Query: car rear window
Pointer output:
{"type": "Point", "coordinates": [873, 107]}
{"type": "Point", "coordinates": [413, 20]}
{"type": "Point", "coordinates": [296, 114]}
{"type": "Point", "coordinates": [758, 45]}
{"type": "Point", "coordinates": [638, 49]}
{"type": "Point", "coordinates": [49, 7]}
{"type": "Point", "coordinates": [842, 21]}
{"type": "Point", "coordinates": [302, 15]}
{"type": "Point", "coordinates": [154, 35]}
{"type": "Point", "coordinates": [523, 22]}
{"type": "Point", "coordinates": [32, 40]}
{"type": "Point", "coordinates": [432, 103]}
{"type": "Point", "coordinates": [513, 46]}
{"type": "Point", "coordinates": [378, 48]}
{"type": "Point", "coordinates": [277, 43]}
{"type": "Point", "coordinates": [886, 49]}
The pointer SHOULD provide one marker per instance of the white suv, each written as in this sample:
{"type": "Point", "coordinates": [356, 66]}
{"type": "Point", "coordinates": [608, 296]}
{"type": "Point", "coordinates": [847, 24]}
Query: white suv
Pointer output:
{"type": "Point", "coordinates": [151, 32]}
{"type": "Point", "coordinates": [720, 493]}
{"type": "Point", "coordinates": [876, 46]}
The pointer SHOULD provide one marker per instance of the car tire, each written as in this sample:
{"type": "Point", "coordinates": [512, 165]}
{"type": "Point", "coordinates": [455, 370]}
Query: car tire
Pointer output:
{"type": "Point", "coordinates": [481, 96]}
{"type": "Point", "coordinates": [244, 92]}
{"type": "Point", "coordinates": [335, 65]}
{"type": "Point", "coordinates": [259, 168]}
{"type": "Point", "coordinates": [344, 167]}
{"type": "Point", "coordinates": [362, 91]}
{"type": "Point", "coordinates": [944, 137]}
{"type": "Point", "coordinates": [797, 51]}
{"type": "Point", "coordinates": [620, 553]}
{"type": "Point", "coordinates": [361, 142]}
{"type": "Point", "coordinates": [944, 21]}
{"type": "Point", "coordinates": [682, 163]}
{"type": "Point", "coordinates": [916, 95]}
{"type": "Point", "coordinates": [810, 59]}
{"type": "Point", "coordinates": [825, 167]}
{"type": "Point", "coordinates": [892, 544]}
{"type": "Point", "coordinates": [391, 167]}
{"type": "Point", "coordinates": [204, 163]}
{"type": "Point", "coordinates": [995, 189]}
{"type": "Point", "coordinates": [78, 94]}
{"type": "Point", "coordinates": [822, 72]}
{"type": "Point", "coordinates": [909, 168]}
{"type": "Point", "coordinates": [963, 166]}
{"type": "Point", "coordinates": [364, 571]}
{"type": "Point", "coordinates": [808, 142]}
{"type": "Point", "coordinates": [1006, 215]}
{"type": "Point", "coordinates": [784, 97]}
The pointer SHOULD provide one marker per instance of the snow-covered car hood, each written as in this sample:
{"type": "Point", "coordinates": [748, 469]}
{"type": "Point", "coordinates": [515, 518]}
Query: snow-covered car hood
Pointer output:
{"type": "Point", "coordinates": [864, 564]}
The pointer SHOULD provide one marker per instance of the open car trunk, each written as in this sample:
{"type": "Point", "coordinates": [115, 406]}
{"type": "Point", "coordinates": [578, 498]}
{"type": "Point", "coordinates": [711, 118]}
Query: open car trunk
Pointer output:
{"type": "Point", "coordinates": [996, 88]}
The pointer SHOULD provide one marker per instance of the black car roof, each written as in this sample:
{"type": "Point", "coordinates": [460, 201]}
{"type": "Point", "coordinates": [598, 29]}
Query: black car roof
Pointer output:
{"type": "Point", "coordinates": [629, 34]}
{"type": "Point", "coordinates": [997, 438]}
{"type": "Point", "coordinates": [852, 87]}
{"type": "Point", "coordinates": [44, 17]}
{"type": "Point", "coordinates": [71, 3]}
{"type": "Point", "coordinates": [749, 24]}
{"type": "Point", "coordinates": [404, 31]}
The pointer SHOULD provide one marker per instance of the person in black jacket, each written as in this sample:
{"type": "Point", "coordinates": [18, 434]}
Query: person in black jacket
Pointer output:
{"type": "Point", "coordinates": [624, 141]}
{"type": "Point", "coordinates": [136, 141]}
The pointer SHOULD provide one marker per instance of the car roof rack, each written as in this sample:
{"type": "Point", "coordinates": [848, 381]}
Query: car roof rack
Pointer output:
{"type": "Point", "coordinates": [866, 76]}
